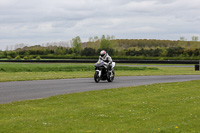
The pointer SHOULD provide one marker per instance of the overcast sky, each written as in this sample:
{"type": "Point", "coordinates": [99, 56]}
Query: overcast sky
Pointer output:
{"type": "Point", "coordinates": [40, 21]}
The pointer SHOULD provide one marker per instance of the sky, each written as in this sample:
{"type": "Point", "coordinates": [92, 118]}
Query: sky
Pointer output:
{"type": "Point", "coordinates": [41, 21]}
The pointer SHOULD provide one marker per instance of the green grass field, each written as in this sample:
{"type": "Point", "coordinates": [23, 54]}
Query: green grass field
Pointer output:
{"type": "Point", "coordinates": [166, 108]}
{"type": "Point", "coordinates": [52, 67]}
{"type": "Point", "coordinates": [157, 108]}
{"type": "Point", "coordinates": [27, 71]}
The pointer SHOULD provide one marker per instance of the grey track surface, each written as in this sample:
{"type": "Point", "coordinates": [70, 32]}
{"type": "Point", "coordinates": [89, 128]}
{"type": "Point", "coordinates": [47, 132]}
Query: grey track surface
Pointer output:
{"type": "Point", "coordinates": [24, 90]}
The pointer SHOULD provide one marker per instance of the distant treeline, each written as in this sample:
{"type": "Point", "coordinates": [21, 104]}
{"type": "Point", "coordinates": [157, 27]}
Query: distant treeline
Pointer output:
{"type": "Point", "coordinates": [117, 48]}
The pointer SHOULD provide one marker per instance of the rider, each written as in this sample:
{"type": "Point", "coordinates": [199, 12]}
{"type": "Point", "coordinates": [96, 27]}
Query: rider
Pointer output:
{"type": "Point", "coordinates": [106, 58]}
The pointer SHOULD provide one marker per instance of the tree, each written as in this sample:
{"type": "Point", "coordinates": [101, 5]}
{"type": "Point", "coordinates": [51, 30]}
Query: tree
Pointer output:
{"type": "Point", "coordinates": [105, 44]}
{"type": "Point", "coordinates": [76, 43]}
{"type": "Point", "coordinates": [91, 39]}
{"type": "Point", "coordinates": [103, 37]}
{"type": "Point", "coordinates": [112, 37]}
{"type": "Point", "coordinates": [108, 37]}
{"type": "Point", "coordinates": [19, 46]}
{"type": "Point", "coordinates": [182, 38]}
{"type": "Point", "coordinates": [96, 38]}
{"type": "Point", "coordinates": [88, 52]}
{"type": "Point", "coordinates": [195, 38]}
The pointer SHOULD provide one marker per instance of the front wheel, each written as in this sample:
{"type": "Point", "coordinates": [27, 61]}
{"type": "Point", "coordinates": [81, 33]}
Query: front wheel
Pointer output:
{"type": "Point", "coordinates": [111, 76]}
{"type": "Point", "coordinates": [96, 77]}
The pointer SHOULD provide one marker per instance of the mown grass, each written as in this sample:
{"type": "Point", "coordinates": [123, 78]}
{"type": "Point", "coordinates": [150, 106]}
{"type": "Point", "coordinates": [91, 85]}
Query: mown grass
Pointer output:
{"type": "Point", "coordinates": [162, 71]}
{"type": "Point", "coordinates": [26, 71]}
{"type": "Point", "coordinates": [21, 67]}
{"type": "Point", "coordinates": [169, 108]}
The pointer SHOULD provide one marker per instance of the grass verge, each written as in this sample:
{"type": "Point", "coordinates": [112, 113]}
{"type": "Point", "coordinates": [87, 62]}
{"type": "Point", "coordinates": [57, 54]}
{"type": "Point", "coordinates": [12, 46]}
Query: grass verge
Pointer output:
{"type": "Point", "coordinates": [169, 107]}
{"type": "Point", "coordinates": [32, 67]}
{"type": "Point", "coordinates": [27, 71]}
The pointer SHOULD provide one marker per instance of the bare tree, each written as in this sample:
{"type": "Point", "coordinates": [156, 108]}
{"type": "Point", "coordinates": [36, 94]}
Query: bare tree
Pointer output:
{"type": "Point", "coordinates": [183, 38]}
{"type": "Point", "coordinates": [195, 38]}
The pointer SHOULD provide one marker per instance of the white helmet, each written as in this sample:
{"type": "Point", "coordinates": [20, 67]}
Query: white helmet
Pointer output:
{"type": "Point", "coordinates": [103, 53]}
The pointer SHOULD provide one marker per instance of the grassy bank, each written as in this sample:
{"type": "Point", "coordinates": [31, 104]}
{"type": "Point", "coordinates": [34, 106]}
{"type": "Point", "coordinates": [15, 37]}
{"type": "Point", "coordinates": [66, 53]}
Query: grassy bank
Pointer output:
{"type": "Point", "coordinates": [52, 67]}
{"type": "Point", "coordinates": [33, 71]}
{"type": "Point", "coordinates": [169, 107]}
{"type": "Point", "coordinates": [26, 71]}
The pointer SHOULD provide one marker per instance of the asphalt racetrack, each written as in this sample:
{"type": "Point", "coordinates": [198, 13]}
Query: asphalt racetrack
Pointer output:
{"type": "Point", "coordinates": [24, 90]}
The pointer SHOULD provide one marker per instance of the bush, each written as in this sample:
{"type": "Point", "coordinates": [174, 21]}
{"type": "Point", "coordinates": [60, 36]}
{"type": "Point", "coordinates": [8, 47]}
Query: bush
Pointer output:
{"type": "Point", "coordinates": [38, 58]}
{"type": "Point", "coordinates": [30, 57]}
{"type": "Point", "coordinates": [18, 58]}
{"type": "Point", "coordinates": [9, 57]}
{"type": "Point", "coordinates": [25, 58]}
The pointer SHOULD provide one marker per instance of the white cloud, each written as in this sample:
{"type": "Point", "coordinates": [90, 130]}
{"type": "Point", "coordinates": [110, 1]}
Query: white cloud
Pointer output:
{"type": "Point", "coordinates": [35, 22]}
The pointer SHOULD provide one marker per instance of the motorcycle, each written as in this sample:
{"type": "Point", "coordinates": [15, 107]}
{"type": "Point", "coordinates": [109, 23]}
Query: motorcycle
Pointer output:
{"type": "Point", "coordinates": [102, 72]}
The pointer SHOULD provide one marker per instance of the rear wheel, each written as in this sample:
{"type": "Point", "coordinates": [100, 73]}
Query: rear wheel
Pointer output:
{"type": "Point", "coordinates": [96, 77]}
